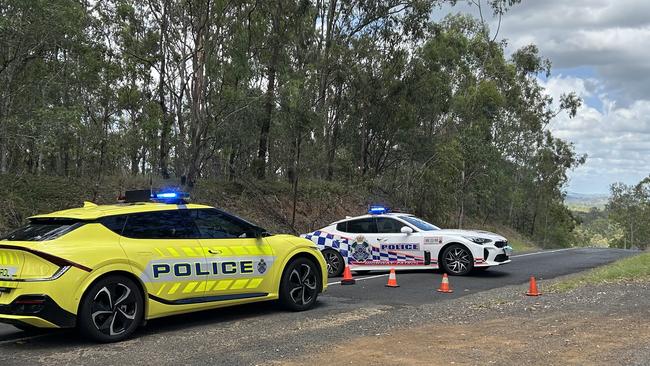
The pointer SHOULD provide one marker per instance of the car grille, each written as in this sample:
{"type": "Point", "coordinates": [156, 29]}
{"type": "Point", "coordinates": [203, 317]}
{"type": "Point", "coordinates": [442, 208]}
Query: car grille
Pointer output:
{"type": "Point", "coordinates": [500, 244]}
{"type": "Point", "coordinates": [501, 258]}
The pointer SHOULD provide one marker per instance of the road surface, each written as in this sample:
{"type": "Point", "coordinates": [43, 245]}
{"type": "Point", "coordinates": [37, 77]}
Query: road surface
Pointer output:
{"type": "Point", "coordinates": [262, 333]}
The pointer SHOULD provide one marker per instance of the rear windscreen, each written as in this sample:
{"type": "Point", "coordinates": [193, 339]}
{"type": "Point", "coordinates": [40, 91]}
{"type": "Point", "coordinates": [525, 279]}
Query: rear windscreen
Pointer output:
{"type": "Point", "coordinates": [41, 230]}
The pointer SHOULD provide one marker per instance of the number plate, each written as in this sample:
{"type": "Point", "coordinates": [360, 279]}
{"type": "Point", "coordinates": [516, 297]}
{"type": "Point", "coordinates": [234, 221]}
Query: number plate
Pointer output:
{"type": "Point", "coordinates": [7, 273]}
{"type": "Point", "coordinates": [507, 250]}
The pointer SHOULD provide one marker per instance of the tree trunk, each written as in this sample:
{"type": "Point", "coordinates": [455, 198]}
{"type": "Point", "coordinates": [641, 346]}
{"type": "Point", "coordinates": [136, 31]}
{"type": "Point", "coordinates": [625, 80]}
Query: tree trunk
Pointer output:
{"type": "Point", "coordinates": [333, 138]}
{"type": "Point", "coordinates": [4, 151]}
{"type": "Point", "coordinates": [322, 105]}
{"type": "Point", "coordinates": [269, 99]}
{"type": "Point", "coordinates": [461, 208]}
{"type": "Point", "coordinates": [295, 182]}
{"type": "Point", "coordinates": [165, 125]}
{"type": "Point", "coordinates": [331, 151]}
{"type": "Point", "coordinates": [198, 115]}
{"type": "Point", "coordinates": [135, 163]}
{"type": "Point", "coordinates": [232, 158]}
{"type": "Point", "coordinates": [364, 149]}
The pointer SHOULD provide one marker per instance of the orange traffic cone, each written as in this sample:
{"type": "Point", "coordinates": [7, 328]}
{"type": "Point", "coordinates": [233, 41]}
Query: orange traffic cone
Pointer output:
{"type": "Point", "coordinates": [444, 286]}
{"type": "Point", "coordinates": [347, 277]}
{"type": "Point", "coordinates": [392, 279]}
{"type": "Point", "coordinates": [532, 290]}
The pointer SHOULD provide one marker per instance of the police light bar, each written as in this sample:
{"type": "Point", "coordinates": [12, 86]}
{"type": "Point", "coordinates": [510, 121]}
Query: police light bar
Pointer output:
{"type": "Point", "coordinates": [378, 210]}
{"type": "Point", "coordinates": [140, 195]}
{"type": "Point", "coordinates": [170, 196]}
{"type": "Point", "coordinates": [146, 195]}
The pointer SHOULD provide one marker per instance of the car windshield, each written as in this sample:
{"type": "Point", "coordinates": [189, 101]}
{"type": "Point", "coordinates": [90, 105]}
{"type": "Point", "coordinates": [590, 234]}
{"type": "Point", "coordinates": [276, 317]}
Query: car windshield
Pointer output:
{"type": "Point", "coordinates": [419, 223]}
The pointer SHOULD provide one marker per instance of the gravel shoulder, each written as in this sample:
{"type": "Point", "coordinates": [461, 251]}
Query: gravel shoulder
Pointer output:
{"type": "Point", "coordinates": [607, 324]}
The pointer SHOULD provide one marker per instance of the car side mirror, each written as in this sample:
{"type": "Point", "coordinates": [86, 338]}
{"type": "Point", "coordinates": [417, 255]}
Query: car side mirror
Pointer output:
{"type": "Point", "coordinates": [406, 230]}
{"type": "Point", "coordinates": [257, 232]}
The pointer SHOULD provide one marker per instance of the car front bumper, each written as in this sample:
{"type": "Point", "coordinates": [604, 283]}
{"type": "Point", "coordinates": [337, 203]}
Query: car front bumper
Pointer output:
{"type": "Point", "coordinates": [493, 256]}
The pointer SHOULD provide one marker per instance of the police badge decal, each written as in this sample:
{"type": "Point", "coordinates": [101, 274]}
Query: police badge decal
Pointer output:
{"type": "Point", "coordinates": [261, 266]}
{"type": "Point", "coordinates": [360, 249]}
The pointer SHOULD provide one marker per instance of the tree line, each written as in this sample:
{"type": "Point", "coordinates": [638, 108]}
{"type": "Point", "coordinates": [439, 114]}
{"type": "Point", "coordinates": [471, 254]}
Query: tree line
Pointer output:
{"type": "Point", "coordinates": [624, 222]}
{"type": "Point", "coordinates": [368, 92]}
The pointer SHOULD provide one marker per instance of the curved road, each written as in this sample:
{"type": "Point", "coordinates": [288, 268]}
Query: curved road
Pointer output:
{"type": "Point", "coordinates": [262, 332]}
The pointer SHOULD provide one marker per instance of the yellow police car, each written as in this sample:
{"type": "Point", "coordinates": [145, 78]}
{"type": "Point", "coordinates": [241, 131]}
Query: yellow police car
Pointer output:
{"type": "Point", "coordinates": [106, 269]}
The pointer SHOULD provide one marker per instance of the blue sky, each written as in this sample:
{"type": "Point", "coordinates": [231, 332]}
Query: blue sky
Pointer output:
{"type": "Point", "coordinates": [601, 50]}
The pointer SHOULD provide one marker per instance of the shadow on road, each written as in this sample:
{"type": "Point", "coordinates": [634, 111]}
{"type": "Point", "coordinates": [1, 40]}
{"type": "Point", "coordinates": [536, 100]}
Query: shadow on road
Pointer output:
{"type": "Point", "coordinates": [45, 339]}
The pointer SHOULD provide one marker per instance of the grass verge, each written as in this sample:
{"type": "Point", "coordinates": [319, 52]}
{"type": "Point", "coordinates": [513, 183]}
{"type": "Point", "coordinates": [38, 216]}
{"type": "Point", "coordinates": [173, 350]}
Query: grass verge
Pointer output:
{"type": "Point", "coordinates": [633, 268]}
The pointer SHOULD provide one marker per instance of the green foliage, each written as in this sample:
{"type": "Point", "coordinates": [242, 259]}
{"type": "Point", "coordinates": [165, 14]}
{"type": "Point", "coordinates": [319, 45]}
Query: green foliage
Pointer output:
{"type": "Point", "coordinates": [367, 93]}
{"type": "Point", "coordinates": [624, 222]}
{"type": "Point", "coordinates": [629, 210]}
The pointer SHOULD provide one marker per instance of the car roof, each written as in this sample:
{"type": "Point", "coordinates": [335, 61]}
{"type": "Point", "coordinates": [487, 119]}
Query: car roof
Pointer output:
{"type": "Point", "coordinates": [391, 214]}
{"type": "Point", "coordinates": [91, 211]}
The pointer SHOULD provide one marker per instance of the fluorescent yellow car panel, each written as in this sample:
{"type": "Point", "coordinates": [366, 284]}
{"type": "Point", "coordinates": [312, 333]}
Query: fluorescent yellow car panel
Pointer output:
{"type": "Point", "coordinates": [46, 280]}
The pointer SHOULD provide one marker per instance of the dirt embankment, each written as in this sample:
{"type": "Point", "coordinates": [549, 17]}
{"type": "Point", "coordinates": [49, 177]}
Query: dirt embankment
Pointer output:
{"type": "Point", "coordinates": [593, 325]}
{"type": "Point", "coordinates": [269, 204]}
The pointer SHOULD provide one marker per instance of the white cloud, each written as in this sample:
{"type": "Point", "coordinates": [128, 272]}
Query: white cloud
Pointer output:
{"type": "Point", "coordinates": [599, 49]}
{"type": "Point", "coordinates": [616, 139]}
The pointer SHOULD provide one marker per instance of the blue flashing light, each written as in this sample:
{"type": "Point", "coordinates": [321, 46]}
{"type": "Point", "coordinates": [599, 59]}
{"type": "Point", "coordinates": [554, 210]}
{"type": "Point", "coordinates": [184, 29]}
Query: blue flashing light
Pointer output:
{"type": "Point", "coordinates": [378, 210]}
{"type": "Point", "coordinates": [169, 196]}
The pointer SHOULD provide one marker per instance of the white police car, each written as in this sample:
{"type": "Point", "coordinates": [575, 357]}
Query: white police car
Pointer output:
{"type": "Point", "coordinates": [382, 240]}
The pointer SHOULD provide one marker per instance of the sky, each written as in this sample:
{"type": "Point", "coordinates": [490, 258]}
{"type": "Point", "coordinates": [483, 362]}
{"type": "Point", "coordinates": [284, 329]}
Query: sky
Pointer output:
{"type": "Point", "coordinates": [601, 50]}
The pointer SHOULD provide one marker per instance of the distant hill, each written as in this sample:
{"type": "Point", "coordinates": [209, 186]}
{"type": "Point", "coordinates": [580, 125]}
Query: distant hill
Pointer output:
{"type": "Point", "coordinates": [584, 201]}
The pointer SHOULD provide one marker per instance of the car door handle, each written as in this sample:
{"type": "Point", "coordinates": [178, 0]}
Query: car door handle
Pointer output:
{"type": "Point", "coordinates": [214, 251]}
{"type": "Point", "coordinates": [380, 239]}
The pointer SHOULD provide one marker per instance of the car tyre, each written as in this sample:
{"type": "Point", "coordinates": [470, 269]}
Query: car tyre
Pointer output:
{"type": "Point", "coordinates": [301, 282]}
{"type": "Point", "coordinates": [335, 262]}
{"type": "Point", "coordinates": [111, 310]}
{"type": "Point", "coordinates": [457, 260]}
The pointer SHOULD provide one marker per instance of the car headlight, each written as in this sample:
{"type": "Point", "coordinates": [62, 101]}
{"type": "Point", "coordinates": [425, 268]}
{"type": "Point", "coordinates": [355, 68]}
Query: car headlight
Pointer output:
{"type": "Point", "coordinates": [477, 240]}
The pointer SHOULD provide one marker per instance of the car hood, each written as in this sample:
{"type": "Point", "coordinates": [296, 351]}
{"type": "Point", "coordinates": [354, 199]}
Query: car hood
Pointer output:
{"type": "Point", "coordinates": [478, 233]}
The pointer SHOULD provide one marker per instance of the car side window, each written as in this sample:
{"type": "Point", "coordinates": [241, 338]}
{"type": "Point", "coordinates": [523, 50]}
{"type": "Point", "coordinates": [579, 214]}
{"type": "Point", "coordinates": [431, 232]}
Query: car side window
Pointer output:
{"type": "Point", "coordinates": [114, 223]}
{"type": "Point", "coordinates": [214, 224]}
{"type": "Point", "coordinates": [362, 226]}
{"type": "Point", "coordinates": [342, 226]}
{"type": "Point", "coordinates": [387, 225]}
{"type": "Point", "coordinates": [173, 224]}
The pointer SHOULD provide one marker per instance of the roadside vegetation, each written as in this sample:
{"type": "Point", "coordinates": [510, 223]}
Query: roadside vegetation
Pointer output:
{"type": "Point", "coordinates": [354, 96]}
{"type": "Point", "coordinates": [268, 205]}
{"type": "Point", "coordinates": [623, 222]}
{"type": "Point", "coordinates": [628, 269]}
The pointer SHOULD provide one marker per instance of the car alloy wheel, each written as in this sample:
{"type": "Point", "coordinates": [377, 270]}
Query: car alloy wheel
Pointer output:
{"type": "Point", "coordinates": [458, 260]}
{"type": "Point", "coordinates": [111, 310]}
{"type": "Point", "coordinates": [303, 286]}
{"type": "Point", "coordinates": [114, 309]}
{"type": "Point", "coordinates": [300, 284]}
{"type": "Point", "coordinates": [334, 262]}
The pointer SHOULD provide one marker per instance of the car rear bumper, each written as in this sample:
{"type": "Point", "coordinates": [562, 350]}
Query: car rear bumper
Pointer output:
{"type": "Point", "coordinates": [38, 311]}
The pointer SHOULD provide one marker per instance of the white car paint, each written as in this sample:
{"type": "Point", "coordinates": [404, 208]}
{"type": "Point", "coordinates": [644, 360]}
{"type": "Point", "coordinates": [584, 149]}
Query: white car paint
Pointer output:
{"type": "Point", "coordinates": [400, 249]}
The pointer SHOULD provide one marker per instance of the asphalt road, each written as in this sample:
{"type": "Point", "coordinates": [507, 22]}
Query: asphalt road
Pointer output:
{"type": "Point", "coordinates": [263, 332]}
